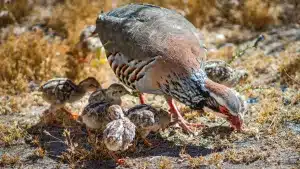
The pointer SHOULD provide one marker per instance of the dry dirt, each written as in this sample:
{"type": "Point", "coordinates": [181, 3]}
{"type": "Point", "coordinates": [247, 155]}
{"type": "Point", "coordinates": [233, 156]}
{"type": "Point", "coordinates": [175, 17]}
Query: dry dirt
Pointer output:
{"type": "Point", "coordinates": [271, 90]}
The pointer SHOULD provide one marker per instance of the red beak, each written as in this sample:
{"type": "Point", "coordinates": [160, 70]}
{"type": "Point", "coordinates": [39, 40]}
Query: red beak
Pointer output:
{"type": "Point", "coordinates": [235, 121]}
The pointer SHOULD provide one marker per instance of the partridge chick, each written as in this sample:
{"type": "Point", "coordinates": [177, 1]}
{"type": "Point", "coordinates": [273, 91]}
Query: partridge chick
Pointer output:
{"type": "Point", "coordinates": [97, 115]}
{"type": "Point", "coordinates": [87, 42]}
{"type": "Point", "coordinates": [60, 91]}
{"type": "Point", "coordinates": [112, 94]}
{"type": "Point", "coordinates": [221, 72]}
{"type": "Point", "coordinates": [147, 119]}
{"type": "Point", "coordinates": [119, 134]}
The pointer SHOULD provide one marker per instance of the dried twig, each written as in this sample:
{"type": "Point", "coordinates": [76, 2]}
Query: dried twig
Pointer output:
{"type": "Point", "coordinates": [240, 53]}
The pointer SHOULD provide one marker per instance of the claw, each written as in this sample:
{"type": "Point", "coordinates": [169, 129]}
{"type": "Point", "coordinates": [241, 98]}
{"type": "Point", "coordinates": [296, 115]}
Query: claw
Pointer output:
{"type": "Point", "coordinates": [182, 122]}
{"type": "Point", "coordinates": [147, 142]}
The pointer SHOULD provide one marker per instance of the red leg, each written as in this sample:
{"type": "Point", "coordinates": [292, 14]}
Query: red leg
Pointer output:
{"type": "Point", "coordinates": [118, 160]}
{"type": "Point", "coordinates": [142, 98]}
{"type": "Point", "coordinates": [73, 115]}
{"type": "Point", "coordinates": [183, 123]}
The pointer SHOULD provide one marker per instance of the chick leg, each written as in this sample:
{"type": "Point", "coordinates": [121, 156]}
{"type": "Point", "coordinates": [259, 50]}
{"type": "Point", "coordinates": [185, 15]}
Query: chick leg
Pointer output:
{"type": "Point", "coordinates": [118, 160]}
{"type": "Point", "coordinates": [74, 116]}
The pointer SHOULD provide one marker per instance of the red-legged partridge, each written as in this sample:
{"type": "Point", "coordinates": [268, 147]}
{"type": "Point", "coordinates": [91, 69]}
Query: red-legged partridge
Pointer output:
{"type": "Point", "coordinates": [156, 50]}
{"type": "Point", "coordinates": [60, 91]}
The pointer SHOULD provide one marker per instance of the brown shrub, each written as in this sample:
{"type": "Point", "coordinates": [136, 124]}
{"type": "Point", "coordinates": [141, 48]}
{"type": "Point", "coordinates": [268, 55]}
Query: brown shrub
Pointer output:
{"type": "Point", "coordinates": [25, 58]}
{"type": "Point", "coordinates": [17, 10]}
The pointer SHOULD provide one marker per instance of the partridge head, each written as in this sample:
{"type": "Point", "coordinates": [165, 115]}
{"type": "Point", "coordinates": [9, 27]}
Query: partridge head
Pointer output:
{"type": "Point", "coordinates": [227, 102]}
{"type": "Point", "coordinates": [89, 84]}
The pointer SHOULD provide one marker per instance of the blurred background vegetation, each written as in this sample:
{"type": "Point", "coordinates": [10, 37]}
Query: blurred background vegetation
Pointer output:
{"type": "Point", "coordinates": [29, 54]}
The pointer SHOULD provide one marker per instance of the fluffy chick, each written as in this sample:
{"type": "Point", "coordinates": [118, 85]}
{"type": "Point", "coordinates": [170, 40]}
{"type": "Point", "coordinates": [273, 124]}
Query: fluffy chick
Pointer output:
{"type": "Point", "coordinates": [60, 91]}
{"type": "Point", "coordinates": [147, 119]}
{"type": "Point", "coordinates": [97, 115]}
{"type": "Point", "coordinates": [118, 134]}
{"type": "Point", "coordinates": [221, 72]}
{"type": "Point", "coordinates": [112, 94]}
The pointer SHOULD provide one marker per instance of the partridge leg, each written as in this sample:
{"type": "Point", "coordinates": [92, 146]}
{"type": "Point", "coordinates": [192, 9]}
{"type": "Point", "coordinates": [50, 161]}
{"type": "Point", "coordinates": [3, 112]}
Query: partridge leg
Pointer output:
{"type": "Point", "coordinates": [118, 160]}
{"type": "Point", "coordinates": [73, 115]}
{"type": "Point", "coordinates": [142, 98]}
{"type": "Point", "coordinates": [183, 123]}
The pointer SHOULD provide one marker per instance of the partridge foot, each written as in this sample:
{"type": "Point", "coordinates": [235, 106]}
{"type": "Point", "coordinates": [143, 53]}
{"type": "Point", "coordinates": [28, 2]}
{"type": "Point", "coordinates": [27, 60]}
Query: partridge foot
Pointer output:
{"type": "Point", "coordinates": [181, 121]}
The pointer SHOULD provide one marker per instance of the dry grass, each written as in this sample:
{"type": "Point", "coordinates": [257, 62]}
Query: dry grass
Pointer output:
{"type": "Point", "coordinates": [249, 13]}
{"type": "Point", "coordinates": [245, 156]}
{"type": "Point", "coordinates": [289, 70]}
{"type": "Point", "coordinates": [7, 159]}
{"type": "Point", "coordinates": [10, 134]}
{"type": "Point", "coordinates": [165, 163]}
{"type": "Point", "coordinates": [25, 58]}
{"type": "Point", "coordinates": [71, 16]}
{"type": "Point", "coordinates": [16, 11]}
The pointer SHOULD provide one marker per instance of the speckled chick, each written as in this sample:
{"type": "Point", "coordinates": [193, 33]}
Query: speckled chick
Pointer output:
{"type": "Point", "coordinates": [98, 114]}
{"type": "Point", "coordinates": [119, 134]}
{"type": "Point", "coordinates": [148, 119]}
{"type": "Point", "coordinates": [221, 72]}
{"type": "Point", "coordinates": [112, 94]}
{"type": "Point", "coordinates": [88, 42]}
{"type": "Point", "coordinates": [60, 91]}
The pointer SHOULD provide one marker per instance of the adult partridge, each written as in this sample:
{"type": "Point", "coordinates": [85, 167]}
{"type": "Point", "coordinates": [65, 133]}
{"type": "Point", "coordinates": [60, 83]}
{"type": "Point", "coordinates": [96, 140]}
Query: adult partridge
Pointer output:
{"type": "Point", "coordinates": [156, 50]}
